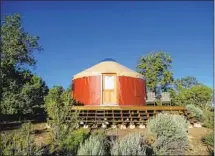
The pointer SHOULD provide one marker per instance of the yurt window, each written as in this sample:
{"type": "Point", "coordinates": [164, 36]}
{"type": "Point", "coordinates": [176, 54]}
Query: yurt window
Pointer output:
{"type": "Point", "coordinates": [109, 82]}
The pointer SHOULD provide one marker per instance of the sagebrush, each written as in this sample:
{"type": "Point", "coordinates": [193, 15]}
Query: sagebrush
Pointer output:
{"type": "Point", "coordinates": [209, 141]}
{"type": "Point", "coordinates": [170, 132]}
{"type": "Point", "coordinates": [95, 145]}
{"type": "Point", "coordinates": [195, 111]}
{"type": "Point", "coordinates": [208, 119]}
{"type": "Point", "coordinates": [132, 144]}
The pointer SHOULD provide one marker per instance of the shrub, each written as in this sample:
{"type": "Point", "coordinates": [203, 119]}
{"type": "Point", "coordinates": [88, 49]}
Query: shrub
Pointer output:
{"type": "Point", "coordinates": [94, 145]}
{"type": "Point", "coordinates": [195, 111]}
{"type": "Point", "coordinates": [71, 143]}
{"type": "Point", "coordinates": [208, 119]}
{"type": "Point", "coordinates": [209, 140]}
{"type": "Point", "coordinates": [132, 144]}
{"type": "Point", "coordinates": [170, 132]}
{"type": "Point", "coordinates": [198, 95]}
{"type": "Point", "coordinates": [57, 104]}
{"type": "Point", "coordinates": [19, 142]}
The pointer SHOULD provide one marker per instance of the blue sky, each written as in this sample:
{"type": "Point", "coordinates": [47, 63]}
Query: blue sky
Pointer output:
{"type": "Point", "coordinates": [76, 35]}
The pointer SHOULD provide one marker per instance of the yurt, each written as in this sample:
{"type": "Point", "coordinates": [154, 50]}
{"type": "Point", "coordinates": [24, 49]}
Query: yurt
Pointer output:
{"type": "Point", "coordinates": [109, 83]}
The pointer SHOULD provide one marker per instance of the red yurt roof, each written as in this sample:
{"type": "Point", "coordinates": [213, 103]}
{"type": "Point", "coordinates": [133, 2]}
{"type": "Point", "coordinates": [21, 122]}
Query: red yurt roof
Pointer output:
{"type": "Point", "coordinates": [108, 66]}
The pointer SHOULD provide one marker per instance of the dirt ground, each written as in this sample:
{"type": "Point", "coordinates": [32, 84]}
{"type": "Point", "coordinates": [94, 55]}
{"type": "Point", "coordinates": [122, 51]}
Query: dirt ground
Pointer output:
{"type": "Point", "coordinates": [42, 134]}
{"type": "Point", "coordinates": [195, 136]}
{"type": "Point", "coordinates": [123, 132]}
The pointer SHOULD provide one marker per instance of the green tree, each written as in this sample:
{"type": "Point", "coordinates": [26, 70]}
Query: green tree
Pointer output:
{"type": "Point", "coordinates": [58, 103]}
{"type": "Point", "coordinates": [22, 91]}
{"type": "Point", "coordinates": [27, 98]}
{"type": "Point", "coordinates": [156, 69]}
{"type": "Point", "coordinates": [186, 82]}
{"type": "Point", "coordinates": [17, 45]}
{"type": "Point", "coordinates": [199, 95]}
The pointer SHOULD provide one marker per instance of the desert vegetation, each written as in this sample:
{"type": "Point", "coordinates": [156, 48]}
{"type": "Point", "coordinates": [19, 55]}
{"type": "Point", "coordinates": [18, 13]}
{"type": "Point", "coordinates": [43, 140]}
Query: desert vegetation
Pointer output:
{"type": "Point", "coordinates": [26, 99]}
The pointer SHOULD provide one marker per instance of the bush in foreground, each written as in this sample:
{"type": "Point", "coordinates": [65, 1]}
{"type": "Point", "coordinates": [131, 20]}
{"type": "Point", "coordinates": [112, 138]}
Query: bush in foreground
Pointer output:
{"type": "Point", "coordinates": [19, 142]}
{"type": "Point", "coordinates": [57, 104]}
{"type": "Point", "coordinates": [72, 142]}
{"type": "Point", "coordinates": [208, 119]}
{"type": "Point", "coordinates": [209, 141]}
{"type": "Point", "coordinates": [170, 132]}
{"type": "Point", "coordinates": [195, 111]}
{"type": "Point", "coordinates": [132, 144]}
{"type": "Point", "coordinates": [95, 145]}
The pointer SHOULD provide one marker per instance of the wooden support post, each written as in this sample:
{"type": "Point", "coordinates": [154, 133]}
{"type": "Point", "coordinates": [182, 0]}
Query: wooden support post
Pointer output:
{"type": "Point", "coordinates": [95, 126]}
{"type": "Point", "coordinates": [121, 115]}
{"type": "Point", "coordinates": [147, 115]}
{"type": "Point", "coordinates": [130, 113]}
{"type": "Point", "coordinates": [87, 116]}
{"type": "Point", "coordinates": [113, 115]}
{"type": "Point", "coordinates": [95, 116]}
{"type": "Point", "coordinates": [113, 126]}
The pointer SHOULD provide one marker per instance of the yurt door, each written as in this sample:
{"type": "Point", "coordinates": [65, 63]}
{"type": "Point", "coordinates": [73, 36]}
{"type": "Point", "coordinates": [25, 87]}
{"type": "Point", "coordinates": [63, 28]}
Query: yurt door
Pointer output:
{"type": "Point", "coordinates": [109, 89]}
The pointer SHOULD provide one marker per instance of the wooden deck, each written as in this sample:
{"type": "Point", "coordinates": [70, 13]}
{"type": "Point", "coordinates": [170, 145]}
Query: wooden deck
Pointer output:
{"type": "Point", "coordinates": [98, 115]}
{"type": "Point", "coordinates": [127, 108]}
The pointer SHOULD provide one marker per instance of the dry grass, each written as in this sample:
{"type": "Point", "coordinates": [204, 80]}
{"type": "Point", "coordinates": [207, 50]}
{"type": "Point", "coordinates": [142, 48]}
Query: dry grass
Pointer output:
{"type": "Point", "coordinates": [196, 145]}
{"type": "Point", "coordinates": [42, 134]}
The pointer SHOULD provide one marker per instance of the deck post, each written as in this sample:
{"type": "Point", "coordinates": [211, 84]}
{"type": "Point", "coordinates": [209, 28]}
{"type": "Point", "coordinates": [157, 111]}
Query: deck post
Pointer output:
{"type": "Point", "coordinates": [113, 126]}
{"type": "Point", "coordinates": [119, 114]}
